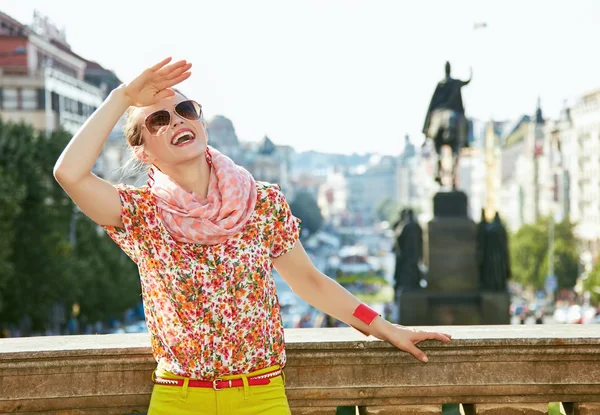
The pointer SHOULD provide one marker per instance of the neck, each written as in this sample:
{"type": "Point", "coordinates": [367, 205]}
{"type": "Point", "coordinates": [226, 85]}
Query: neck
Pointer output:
{"type": "Point", "coordinates": [192, 176]}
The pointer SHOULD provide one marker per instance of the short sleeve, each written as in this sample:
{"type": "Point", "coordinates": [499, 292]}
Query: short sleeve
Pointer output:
{"type": "Point", "coordinates": [285, 226]}
{"type": "Point", "coordinates": [134, 210]}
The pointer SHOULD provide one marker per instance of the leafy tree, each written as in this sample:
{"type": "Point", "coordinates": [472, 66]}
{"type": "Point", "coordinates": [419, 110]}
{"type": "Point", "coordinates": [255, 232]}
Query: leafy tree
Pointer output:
{"type": "Point", "coordinates": [592, 284]}
{"type": "Point", "coordinates": [529, 254]}
{"type": "Point", "coordinates": [527, 250]}
{"type": "Point", "coordinates": [107, 280]}
{"type": "Point", "coordinates": [48, 258]}
{"type": "Point", "coordinates": [305, 207]}
{"type": "Point", "coordinates": [12, 194]}
{"type": "Point", "coordinates": [387, 210]}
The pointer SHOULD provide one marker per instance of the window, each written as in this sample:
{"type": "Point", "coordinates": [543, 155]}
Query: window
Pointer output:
{"type": "Point", "coordinates": [70, 105]}
{"type": "Point", "coordinates": [41, 98]}
{"type": "Point", "coordinates": [29, 99]}
{"type": "Point", "coordinates": [55, 102]}
{"type": "Point", "coordinates": [9, 99]}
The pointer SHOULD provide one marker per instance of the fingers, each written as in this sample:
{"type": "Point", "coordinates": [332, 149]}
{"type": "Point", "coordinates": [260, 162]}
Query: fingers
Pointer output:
{"type": "Point", "coordinates": [160, 64]}
{"type": "Point", "coordinates": [165, 93]}
{"type": "Point", "coordinates": [174, 81]}
{"type": "Point", "coordinates": [174, 74]}
{"type": "Point", "coordinates": [164, 72]}
{"type": "Point", "coordinates": [416, 352]}
{"type": "Point", "coordinates": [430, 335]}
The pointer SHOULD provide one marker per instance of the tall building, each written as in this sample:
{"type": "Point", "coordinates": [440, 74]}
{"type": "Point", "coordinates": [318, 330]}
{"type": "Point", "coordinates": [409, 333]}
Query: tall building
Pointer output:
{"type": "Point", "coordinates": [560, 161]}
{"type": "Point", "coordinates": [45, 84]}
{"type": "Point", "coordinates": [42, 81]}
{"type": "Point", "coordinates": [581, 148]}
{"type": "Point", "coordinates": [407, 175]}
{"type": "Point", "coordinates": [332, 198]}
{"type": "Point", "coordinates": [518, 183]}
{"type": "Point", "coordinates": [368, 187]}
{"type": "Point", "coordinates": [471, 169]}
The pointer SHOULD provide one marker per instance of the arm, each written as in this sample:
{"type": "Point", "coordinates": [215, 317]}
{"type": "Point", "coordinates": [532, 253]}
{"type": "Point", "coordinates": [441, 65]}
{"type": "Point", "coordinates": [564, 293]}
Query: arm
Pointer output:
{"type": "Point", "coordinates": [97, 198]}
{"type": "Point", "coordinates": [470, 78]}
{"type": "Point", "coordinates": [320, 291]}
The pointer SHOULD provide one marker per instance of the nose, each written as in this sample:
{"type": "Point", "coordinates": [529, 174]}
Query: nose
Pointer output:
{"type": "Point", "coordinates": [177, 119]}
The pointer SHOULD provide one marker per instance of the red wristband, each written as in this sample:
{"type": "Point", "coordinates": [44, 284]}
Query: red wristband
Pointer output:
{"type": "Point", "coordinates": [365, 314]}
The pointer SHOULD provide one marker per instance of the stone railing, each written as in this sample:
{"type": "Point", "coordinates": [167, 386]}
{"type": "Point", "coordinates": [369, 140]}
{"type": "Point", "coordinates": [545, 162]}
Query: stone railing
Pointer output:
{"type": "Point", "coordinates": [500, 370]}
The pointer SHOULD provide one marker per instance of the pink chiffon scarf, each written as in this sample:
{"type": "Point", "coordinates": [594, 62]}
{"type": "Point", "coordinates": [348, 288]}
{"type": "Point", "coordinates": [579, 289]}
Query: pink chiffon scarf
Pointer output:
{"type": "Point", "coordinates": [227, 208]}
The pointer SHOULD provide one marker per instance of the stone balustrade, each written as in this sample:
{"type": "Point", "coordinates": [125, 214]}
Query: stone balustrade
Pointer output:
{"type": "Point", "coordinates": [490, 370]}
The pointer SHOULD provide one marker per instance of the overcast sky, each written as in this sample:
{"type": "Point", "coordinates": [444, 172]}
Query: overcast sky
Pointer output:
{"type": "Point", "coordinates": [343, 76]}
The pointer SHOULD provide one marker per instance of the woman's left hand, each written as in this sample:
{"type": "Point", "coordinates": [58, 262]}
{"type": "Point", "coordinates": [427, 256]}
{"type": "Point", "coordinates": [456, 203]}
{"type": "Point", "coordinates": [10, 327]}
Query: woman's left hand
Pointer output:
{"type": "Point", "coordinates": [405, 338]}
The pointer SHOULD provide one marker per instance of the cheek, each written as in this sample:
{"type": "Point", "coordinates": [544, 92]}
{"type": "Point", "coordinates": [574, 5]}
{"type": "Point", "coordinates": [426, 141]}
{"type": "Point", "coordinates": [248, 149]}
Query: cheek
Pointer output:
{"type": "Point", "coordinates": [156, 146]}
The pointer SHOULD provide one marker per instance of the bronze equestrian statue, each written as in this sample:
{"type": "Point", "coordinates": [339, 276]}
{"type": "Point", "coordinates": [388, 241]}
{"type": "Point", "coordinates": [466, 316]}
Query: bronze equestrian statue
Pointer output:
{"type": "Point", "coordinates": [446, 123]}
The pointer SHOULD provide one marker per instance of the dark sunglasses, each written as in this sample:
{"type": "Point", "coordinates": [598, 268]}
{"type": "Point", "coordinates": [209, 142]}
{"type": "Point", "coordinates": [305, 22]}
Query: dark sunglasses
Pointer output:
{"type": "Point", "coordinates": [158, 122]}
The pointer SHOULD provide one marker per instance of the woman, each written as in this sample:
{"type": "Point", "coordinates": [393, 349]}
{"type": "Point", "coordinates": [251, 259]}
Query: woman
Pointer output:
{"type": "Point", "coordinates": [205, 237]}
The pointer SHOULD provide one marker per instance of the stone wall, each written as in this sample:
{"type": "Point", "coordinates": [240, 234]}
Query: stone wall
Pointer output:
{"type": "Point", "coordinates": [489, 369]}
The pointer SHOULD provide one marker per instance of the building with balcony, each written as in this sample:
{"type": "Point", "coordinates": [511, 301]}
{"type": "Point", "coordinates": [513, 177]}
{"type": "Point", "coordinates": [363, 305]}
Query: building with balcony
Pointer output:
{"type": "Point", "coordinates": [582, 158]}
{"type": "Point", "coordinates": [43, 82]}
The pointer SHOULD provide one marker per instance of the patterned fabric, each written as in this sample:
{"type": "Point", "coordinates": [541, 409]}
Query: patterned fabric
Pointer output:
{"type": "Point", "coordinates": [211, 310]}
{"type": "Point", "coordinates": [228, 206]}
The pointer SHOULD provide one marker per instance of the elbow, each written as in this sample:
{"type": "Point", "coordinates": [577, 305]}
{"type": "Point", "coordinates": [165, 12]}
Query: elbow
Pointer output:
{"type": "Point", "coordinates": [63, 176]}
{"type": "Point", "coordinates": [59, 173]}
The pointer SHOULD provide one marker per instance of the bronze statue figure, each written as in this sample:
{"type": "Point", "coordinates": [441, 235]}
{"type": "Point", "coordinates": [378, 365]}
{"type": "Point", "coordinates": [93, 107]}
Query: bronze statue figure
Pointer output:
{"type": "Point", "coordinates": [445, 122]}
{"type": "Point", "coordinates": [409, 252]}
{"type": "Point", "coordinates": [494, 258]}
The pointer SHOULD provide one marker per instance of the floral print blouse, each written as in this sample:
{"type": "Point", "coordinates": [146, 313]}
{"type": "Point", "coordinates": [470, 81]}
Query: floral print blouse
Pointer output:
{"type": "Point", "coordinates": [211, 310]}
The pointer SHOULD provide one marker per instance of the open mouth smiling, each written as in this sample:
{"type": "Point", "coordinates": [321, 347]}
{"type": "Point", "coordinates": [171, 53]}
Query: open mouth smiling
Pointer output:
{"type": "Point", "coordinates": [183, 137]}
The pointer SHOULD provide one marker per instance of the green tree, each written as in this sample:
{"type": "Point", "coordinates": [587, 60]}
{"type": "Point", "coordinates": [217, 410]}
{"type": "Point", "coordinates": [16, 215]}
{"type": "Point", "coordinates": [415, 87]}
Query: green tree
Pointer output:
{"type": "Point", "coordinates": [107, 280]}
{"type": "Point", "coordinates": [387, 210]}
{"type": "Point", "coordinates": [41, 264]}
{"type": "Point", "coordinates": [529, 254]}
{"type": "Point", "coordinates": [592, 284]}
{"type": "Point", "coordinates": [12, 194]}
{"type": "Point", "coordinates": [305, 207]}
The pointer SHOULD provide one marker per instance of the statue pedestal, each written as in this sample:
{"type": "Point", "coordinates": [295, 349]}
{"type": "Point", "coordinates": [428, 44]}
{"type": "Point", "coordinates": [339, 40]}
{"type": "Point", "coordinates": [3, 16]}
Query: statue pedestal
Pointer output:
{"type": "Point", "coordinates": [453, 294]}
{"type": "Point", "coordinates": [422, 308]}
{"type": "Point", "coordinates": [452, 255]}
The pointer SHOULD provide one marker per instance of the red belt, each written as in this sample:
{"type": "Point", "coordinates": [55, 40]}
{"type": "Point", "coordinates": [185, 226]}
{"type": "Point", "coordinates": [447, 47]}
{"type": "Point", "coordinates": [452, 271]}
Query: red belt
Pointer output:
{"type": "Point", "coordinates": [218, 384]}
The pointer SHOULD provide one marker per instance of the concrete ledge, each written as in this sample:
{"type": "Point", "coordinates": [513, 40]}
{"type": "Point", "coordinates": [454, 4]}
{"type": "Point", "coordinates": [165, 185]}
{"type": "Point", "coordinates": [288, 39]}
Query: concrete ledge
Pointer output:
{"type": "Point", "coordinates": [529, 365]}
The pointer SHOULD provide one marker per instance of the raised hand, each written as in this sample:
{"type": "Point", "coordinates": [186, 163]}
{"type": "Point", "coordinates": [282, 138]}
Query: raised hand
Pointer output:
{"type": "Point", "coordinates": [155, 83]}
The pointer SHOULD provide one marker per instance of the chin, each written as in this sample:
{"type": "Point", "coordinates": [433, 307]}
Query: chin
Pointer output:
{"type": "Point", "coordinates": [194, 154]}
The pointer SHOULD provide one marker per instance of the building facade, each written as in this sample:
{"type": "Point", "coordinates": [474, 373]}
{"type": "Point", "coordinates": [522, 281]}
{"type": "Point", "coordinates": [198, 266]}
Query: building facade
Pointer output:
{"type": "Point", "coordinates": [43, 82]}
{"type": "Point", "coordinates": [369, 187]}
{"type": "Point", "coordinates": [582, 157]}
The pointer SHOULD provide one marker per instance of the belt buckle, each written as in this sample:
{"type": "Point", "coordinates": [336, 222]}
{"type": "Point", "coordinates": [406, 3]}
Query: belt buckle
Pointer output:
{"type": "Point", "coordinates": [214, 384]}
